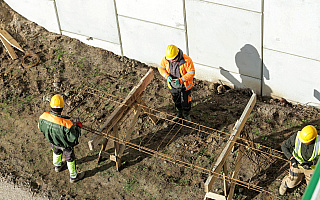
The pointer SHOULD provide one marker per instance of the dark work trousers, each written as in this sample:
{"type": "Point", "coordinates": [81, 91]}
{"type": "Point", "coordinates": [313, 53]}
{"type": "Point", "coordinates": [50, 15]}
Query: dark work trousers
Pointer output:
{"type": "Point", "coordinates": [68, 152]}
{"type": "Point", "coordinates": [181, 99]}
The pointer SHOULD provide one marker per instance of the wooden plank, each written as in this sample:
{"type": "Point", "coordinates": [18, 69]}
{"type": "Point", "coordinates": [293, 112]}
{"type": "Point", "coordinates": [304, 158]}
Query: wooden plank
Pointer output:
{"type": "Point", "coordinates": [235, 172]}
{"type": "Point", "coordinates": [117, 115]}
{"type": "Point", "coordinates": [116, 148]}
{"type": "Point", "coordinates": [129, 132]}
{"type": "Point", "coordinates": [10, 50]}
{"type": "Point", "coordinates": [210, 195]}
{"type": "Point", "coordinates": [225, 183]}
{"type": "Point", "coordinates": [10, 40]}
{"type": "Point", "coordinates": [103, 147]}
{"type": "Point", "coordinates": [233, 137]}
{"type": "Point", "coordinates": [116, 144]}
{"type": "Point", "coordinates": [113, 158]}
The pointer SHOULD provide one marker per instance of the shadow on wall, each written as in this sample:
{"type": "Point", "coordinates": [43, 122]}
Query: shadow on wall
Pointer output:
{"type": "Point", "coordinates": [249, 63]}
{"type": "Point", "coordinates": [316, 94]}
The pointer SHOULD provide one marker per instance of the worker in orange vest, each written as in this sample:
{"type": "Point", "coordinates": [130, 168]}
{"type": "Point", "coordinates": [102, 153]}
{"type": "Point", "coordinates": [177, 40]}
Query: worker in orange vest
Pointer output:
{"type": "Point", "coordinates": [303, 151]}
{"type": "Point", "coordinates": [178, 69]}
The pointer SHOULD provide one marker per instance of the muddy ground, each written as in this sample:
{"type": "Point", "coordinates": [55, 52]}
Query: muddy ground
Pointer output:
{"type": "Point", "coordinates": [67, 65]}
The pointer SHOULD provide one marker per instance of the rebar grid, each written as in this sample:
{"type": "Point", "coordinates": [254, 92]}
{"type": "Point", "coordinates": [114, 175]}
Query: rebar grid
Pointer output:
{"type": "Point", "coordinates": [199, 128]}
{"type": "Point", "coordinates": [174, 160]}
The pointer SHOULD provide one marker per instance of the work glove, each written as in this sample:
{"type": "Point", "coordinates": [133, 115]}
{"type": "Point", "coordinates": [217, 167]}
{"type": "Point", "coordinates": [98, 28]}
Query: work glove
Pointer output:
{"type": "Point", "coordinates": [177, 82]}
{"type": "Point", "coordinates": [79, 124]}
{"type": "Point", "coordinates": [306, 165]}
{"type": "Point", "coordinates": [169, 79]}
{"type": "Point", "coordinates": [293, 162]}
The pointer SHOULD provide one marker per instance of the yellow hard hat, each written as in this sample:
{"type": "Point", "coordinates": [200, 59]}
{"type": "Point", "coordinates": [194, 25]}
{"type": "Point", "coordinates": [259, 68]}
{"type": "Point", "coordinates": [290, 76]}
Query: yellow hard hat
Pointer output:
{"type": "Point", "coordinates": [307, 134]}
{"type": "Point", "coordinates": [171, 52]}
{"type": "Point", "coordinates": [57, 101]}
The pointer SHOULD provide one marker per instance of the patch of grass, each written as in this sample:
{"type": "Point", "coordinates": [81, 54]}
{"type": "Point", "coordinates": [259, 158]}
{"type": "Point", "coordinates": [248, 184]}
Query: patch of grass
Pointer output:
{"type": "Point", "coordinates": [80, 62]}
{"type": "Point", "coordinates": [16, 72]}
{"type": "Point", "coordinates": [255, 131]}
{"type": "Point", "coordinates": [269, 121]}
{"type": "Point", "coordinates": [252, 117]}
{"type": "Point", "coordinates": [130, 185]}
{"type": "Point", "coordinates": [29, 98]}
{"type": "Point", "coordinates": [202, 151]}
{"type": "Point", "coordinates": [183, 182]}
{"type": "Point", "coordinates": [290, 125]}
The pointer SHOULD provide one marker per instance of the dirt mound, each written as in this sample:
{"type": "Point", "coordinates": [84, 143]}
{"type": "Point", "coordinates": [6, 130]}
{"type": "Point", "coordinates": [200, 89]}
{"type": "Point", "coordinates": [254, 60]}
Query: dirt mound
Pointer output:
{"type": "Point", "coordinates": [66, 66]}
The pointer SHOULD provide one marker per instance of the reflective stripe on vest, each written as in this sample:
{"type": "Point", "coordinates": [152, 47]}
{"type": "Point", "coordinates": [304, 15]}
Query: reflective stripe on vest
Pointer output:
{"type": "Point", "coordinates": [297, 151]}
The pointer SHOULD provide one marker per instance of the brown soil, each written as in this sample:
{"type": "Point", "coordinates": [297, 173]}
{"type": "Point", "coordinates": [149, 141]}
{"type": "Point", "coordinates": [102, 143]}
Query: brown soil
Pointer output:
{"type": "Point", "coordinates": [25, 155]}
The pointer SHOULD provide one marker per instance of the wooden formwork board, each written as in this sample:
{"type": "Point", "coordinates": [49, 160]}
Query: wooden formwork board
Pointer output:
{"type": "Point", "coordinates": [10, 50]}
{"type": "Point", "coordinates": [10, 40]}
{"type": "Point", "coordinates": [133, 97]}
{"type": "Point", "coordinates": [226, 151]}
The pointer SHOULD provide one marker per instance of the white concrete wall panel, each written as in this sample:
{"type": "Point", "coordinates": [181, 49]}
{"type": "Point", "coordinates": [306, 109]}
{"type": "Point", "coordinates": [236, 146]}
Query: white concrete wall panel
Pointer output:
{"type": "Point", "coordinates": [228, 78]}
{"type": "Point", "coordinates": [166, 12]}
{"type": "Point", "coordinates": [95, 19]}
{"type": "Point", "coordinates": [291, 77]}
{"type": "Point", "coordinates": [115, 48]}
{"type": "Point", "coordinates": [40, 12]}
{"type": "Point", "coordinates": [253, 5]}
{"type": "Point", "coordinates": [147, 42]}
{"type": "Point", "coordinates": [226, 37]}
{"type": "Point", "coordinates": [293, 27]}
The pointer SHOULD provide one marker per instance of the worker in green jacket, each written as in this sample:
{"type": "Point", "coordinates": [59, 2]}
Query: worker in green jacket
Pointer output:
{"type": "Point", "coordinates": [303, 151]}
{"type": "Point", "coordinates": [63, 136]}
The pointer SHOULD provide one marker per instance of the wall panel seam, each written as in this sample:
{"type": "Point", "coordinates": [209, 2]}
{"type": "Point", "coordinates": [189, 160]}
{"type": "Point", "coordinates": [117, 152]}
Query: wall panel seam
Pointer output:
{"type": "Point", "coordinates": [118, 26]}
{"type": "Point", "coordinates": [89, 36]}
{"type": "Point", "coordinates": [208, 66]}
{"type": "Point", "coordinates": [185, 25]}
{"type": "Point", "coordinates": [230, 6]}
{"type": "Point", "coordinates": [262, 43]}
{"type": "Point", "coordinates": [57, 15]}
{"type": "Point", "coordinates": [183, 29]}
{"type": "Point", "coordinates": [291, 54]}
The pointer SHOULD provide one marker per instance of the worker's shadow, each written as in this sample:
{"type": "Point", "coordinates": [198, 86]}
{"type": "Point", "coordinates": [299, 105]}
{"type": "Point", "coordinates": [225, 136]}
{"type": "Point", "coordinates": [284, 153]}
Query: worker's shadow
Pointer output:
{"type": "Point", "coordinates": [251, 69]}
{"type": "Point", "coordinates": [316, 94]}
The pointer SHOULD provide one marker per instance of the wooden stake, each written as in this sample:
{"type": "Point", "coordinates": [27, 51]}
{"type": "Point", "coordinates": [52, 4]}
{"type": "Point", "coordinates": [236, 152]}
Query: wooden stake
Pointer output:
{"type": "Point", "coordinates": [103, 147]}
{"type": "Point", "coordinates": [10, 40]}
{"type": "Point", "coordinates": [233, 137]}
{"type": "Point", "coordinates": [10, 50]}
{"type": "Point", "coordinates": [130, 130]}
{"type": "Point", "coordinates": [225, 184]}
{"type": "Point", "coordinates": [123, 109]}
{"type": "Point", "coordinates": [235, 172]}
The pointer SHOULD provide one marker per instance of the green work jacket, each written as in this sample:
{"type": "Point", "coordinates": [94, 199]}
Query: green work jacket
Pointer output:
{"type": "Point", "coordinates": [59, 130]}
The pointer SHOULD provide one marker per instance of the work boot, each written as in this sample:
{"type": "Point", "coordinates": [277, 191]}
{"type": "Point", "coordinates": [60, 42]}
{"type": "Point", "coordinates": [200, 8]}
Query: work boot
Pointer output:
{"type": "Point", "coordinates": [60, 168]}
{"type": "Point", "coordinates": [80, 176]}
{"type": "Point", "coordinates": [178, 116]}
{"type": "Point", "coordinates": [283, 188]}
{"type": "Point", "coordinates": [187, 117]}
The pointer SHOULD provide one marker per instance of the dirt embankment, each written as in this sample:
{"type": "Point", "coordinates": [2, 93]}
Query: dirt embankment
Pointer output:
{"type": "Point", "coordinates": [66, 66]}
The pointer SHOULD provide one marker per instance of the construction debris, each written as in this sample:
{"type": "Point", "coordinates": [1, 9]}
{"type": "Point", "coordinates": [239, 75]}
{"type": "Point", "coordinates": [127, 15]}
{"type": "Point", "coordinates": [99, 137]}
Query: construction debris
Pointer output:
{"type": "Point", "coordinates": [30, 55]}
{"type": "Point", "coordinates": [9, 41]}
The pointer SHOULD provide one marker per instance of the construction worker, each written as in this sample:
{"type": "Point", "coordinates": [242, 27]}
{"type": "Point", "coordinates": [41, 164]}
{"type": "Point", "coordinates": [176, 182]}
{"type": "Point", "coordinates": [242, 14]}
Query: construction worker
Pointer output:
{"type": "Point", "coordinates": [303, 151]}
{"type": "Point", "coordinates": [179, 71]}
{"type": "Point", "coordinates": [63, 136]}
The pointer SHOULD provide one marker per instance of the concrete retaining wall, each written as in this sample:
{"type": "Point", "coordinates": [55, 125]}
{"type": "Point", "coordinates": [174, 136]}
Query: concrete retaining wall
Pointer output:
{"type": "Point", "coordinates": [270, 46]}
